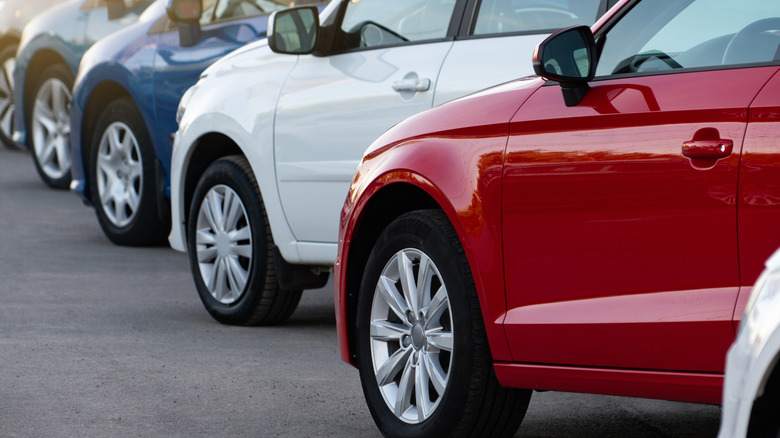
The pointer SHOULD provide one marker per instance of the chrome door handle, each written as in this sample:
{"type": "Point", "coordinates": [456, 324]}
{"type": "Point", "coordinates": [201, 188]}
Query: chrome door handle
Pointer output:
{"type": "Point", "coordinates": [711, 149]}
{"type": "Point", "coordinates": [412, 85]}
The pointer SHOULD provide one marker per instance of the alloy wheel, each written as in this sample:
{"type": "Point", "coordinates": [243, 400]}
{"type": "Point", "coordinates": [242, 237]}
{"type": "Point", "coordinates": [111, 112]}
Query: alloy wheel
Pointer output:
{"type": "Point", "coordinates": [119, 174]}
{"type": "Point", "coordinates": [7, 109]}
{"type": "Point", "coordinates": [51, 128]}
{"type": "Point", "coordinates": [224, 244]}
{"type": "Point", "coordinates": [411, 336]}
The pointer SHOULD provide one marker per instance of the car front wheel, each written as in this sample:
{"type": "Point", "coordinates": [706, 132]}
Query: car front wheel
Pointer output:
{"type": "Point", "coordinates": [423, 356]}
{"type": "Point", "coordinates": [231, 249]}
{"type": "Point", "coordinates": [50, 126]}
{"type": "Point", "coordinates": [7, 108]}
{"type": "Point", "coordinates": [121, 176]}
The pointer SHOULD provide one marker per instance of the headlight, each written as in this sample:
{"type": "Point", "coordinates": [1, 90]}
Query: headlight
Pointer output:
{"type": "Point", "coordinates": [185, 100]}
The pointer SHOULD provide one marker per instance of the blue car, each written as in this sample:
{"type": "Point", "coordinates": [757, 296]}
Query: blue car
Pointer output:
{"type": "Point", "coordinates": [50, 50]}
{"type": "Point", "coordinates": [125, 98]}
{"type": "Point", "coordinates": [14, 15]}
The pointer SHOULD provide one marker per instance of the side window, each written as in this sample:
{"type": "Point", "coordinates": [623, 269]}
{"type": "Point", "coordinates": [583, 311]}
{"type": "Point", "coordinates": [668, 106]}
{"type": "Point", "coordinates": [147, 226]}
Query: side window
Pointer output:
{"type": "Point", "coordinates": [382, 22]}
{"type": "Point", "coordinates": [207, 16]}
{"type": "Point", "coordinates": [227, 9]}
{"type": "Point", "coordinates": [509, 16]}
{"type": "Point", "coordinates": [663, 35]}
{"type": "Point", "coordinates": [93, 4]}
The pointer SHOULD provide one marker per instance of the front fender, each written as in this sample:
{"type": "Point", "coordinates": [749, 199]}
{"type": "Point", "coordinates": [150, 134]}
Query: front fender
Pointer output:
{"type": "Point", "coordinates": [454, 153]}
{"type": "Point", "coordinates": [94, 90]}
{"type": "Point", "coordinates": [42, 50]}
{"type": "Point", "coordinates": [236, 99]}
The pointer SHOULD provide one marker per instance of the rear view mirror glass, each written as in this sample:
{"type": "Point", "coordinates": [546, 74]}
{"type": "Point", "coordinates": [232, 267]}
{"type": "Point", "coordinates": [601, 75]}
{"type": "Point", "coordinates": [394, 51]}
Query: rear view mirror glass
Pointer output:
{"type": "Point", "coordinates": [294, 31]}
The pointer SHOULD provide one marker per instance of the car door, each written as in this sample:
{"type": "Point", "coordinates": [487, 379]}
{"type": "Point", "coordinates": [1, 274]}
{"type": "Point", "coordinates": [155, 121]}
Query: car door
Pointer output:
{"type": "Point", "coordinates": [496, 41]}
{"type": "Point", "coordinates": [331, 108]}
{"type": "Point", "coordinates": [620, 213]}
{"type": "Point", "coordinates": [759, 189]}
{"type": "Point", "coordinates": [225, 26]}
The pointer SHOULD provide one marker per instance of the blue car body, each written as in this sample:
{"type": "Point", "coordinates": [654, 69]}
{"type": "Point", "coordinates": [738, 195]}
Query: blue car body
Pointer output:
{"type": "Point", "coordinates": [147, 63]}
{"type": "Point", "coordinates": [60, 35]}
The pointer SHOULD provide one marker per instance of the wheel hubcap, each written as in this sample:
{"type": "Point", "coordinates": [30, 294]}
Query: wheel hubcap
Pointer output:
{"type": "Point", "coordinates": [7, 97]}
{"type": "Point", "coordinates": [223, 243]}
{"type": "Point", "coordinates": [51, 128]}
{"type": "Point", "coordinates": [411, 336]}
{"type": "Point", "coordinates": [119, 174]}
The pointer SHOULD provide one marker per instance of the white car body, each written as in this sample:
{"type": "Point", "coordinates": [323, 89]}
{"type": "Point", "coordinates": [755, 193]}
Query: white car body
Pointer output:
{"type": "Point", "coordinates": [304, 121]}
{"type": "Point", "coordinates": [753, 358]}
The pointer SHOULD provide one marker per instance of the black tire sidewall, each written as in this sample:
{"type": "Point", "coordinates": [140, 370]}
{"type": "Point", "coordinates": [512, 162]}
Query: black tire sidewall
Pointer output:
{"type": "Point", "coordinates": [8, 52]}
{"type": "Point", "coordinates": [62, 73]}
{"type": "Point", "coordinates": [409, 231]}
{"type": "Point", "coordinates": [228, 172]}
{"type": "Point", "coordinates": [146, 228]}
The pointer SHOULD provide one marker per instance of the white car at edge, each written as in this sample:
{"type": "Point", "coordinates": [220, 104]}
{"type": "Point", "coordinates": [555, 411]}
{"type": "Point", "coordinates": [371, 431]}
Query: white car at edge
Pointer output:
{"type": "Point", "coordinates": [751, 391]}
{"type": "Point", "coordinates": [271, 135]}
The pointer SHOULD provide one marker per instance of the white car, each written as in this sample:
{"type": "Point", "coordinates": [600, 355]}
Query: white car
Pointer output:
{"type": "Point", "coordinates": [751, 391]}
{"type": "Point", "coordinates": [270, 137]}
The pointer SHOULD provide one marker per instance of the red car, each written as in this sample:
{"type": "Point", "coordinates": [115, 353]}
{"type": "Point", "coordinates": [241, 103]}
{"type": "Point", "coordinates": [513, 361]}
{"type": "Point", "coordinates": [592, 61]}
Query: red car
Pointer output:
{"type": "Point", "coordinates": [594, 230]}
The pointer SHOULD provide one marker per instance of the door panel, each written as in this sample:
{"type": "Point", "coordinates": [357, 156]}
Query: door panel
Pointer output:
{"type": "Point", "coordinates": [344, 102]}
{"type": "Point", "coordinates": [508, 58]}
{"type": "Point", "coordinates": [619, 250]}
{"type": "Point", "coordinates": [759, 184]}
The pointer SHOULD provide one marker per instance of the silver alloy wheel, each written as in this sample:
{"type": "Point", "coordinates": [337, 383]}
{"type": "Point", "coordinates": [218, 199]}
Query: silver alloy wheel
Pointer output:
{"type": "Point", "coordinates": [51, 128]}
{"type": "Point", "coordinates": [6, 97]}
{"type": "Point", "coordinates": [224, 244]}
{"type": "Point", "coordinates": [411, 336]}
{"type": "Point", "coordinates": [119, 174]}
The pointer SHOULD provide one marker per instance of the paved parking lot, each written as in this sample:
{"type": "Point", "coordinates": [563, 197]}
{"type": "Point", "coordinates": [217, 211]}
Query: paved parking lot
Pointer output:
{"type": "Point", "coordinates": [98, 340]}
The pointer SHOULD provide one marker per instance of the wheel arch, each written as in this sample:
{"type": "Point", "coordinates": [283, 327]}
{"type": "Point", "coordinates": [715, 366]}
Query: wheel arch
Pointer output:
{"type": "Point", "coordinates": [101, 96]}
{"type": "Point", "coordinates": [38, 63]}
{"type": "Point", "coordinates": [763, 420]}
{"type": "Point", "coordinates": [207, 149]}
{"type": "Point", "coordinates": [386, 205]}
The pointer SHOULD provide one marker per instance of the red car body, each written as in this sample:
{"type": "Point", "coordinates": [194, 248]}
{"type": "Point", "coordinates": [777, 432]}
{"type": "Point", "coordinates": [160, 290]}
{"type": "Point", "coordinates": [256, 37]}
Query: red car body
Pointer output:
{"type": "Point", "coordinates": [607, 258]}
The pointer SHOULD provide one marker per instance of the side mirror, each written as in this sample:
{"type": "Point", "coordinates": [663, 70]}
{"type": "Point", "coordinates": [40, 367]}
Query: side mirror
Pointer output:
{"type": "Point", "coordinates": [294, 31]}
{"type": "Point", "coordinates": [568, 57]}
{"type": "Point", "coordinates": [116, 9]}
{"type": "Point", "coordinates": [186, 14]}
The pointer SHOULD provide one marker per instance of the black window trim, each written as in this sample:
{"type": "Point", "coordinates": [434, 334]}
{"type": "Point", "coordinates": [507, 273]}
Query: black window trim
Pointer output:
{"type": "Point", "coordinates": [469, 22]}
{"type": "Point", "coordinates": [452, 31]}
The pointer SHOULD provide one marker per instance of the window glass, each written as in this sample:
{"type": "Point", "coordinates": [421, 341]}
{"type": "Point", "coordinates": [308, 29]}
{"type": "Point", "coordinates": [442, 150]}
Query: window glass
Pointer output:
{"type": "Point", "coordinates": [662, 35]}
{"type": "Point", "coordinates": [248, 8]}
{"type": "Point", "coordinates": [382, 22]}
{"type": "Point", "coordinates": [506, 16]}
{"type": "Point", "coordinates": [207, 16]}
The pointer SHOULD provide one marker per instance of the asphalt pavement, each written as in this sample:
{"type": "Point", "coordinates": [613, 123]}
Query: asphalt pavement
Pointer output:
{"type": "Point", "coordinates": [98, 340]}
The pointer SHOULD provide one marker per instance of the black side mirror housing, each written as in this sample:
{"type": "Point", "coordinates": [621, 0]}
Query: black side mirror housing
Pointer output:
{"type": "Point", "coordinates": [116, 9]}
{"type": "Point", "coordinates": [294, 31]}
{"type": "Point", "coordinates": [568, 57]}
{"type": "Point", "coordinates": [186, 14]}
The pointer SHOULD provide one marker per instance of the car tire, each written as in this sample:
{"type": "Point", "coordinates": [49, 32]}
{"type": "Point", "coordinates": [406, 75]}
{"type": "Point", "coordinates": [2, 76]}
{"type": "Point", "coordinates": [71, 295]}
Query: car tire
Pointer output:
{"type": "Point", "coordinates": [7, 107]}
{"type": "Point", "coordinates": [122, 176]}
{"type": "Point", "coordinates": [49, 127]}
{"type": "Point", "coordinates": [441, 341]}
{"type": "Point", "coordinates": [232, 260]}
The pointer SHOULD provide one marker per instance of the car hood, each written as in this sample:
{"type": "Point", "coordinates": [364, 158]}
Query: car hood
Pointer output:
{"type": "Point", "coordinates": [239, 56]}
